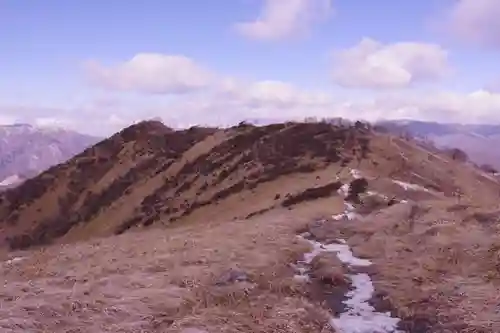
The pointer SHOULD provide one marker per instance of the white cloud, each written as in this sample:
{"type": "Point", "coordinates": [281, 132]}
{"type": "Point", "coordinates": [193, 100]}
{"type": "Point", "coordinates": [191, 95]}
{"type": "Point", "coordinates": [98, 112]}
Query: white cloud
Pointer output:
{"type": "Point", "coordinates": [271, 100]}
{"type": "Point", "coordinates": [227, 100]}
{"type": "Point", "coordinates": [281, 19]}
{"type": "Point", "coordinates": [371, 64]}
{"type": "Point", "coordinates": [6, 119]}
{"type": "Point", "coordinates": [151, 73]}
{"type": "Point", "coordinates": [475, 21]}
{"type": "Point", "coordinates": [270, 93]}
{"type": "Point", "coordinates": [443, 106]}
{"type": "Point", "coordinates": [53, 122]}
{"type": "Point", "coordinates": [237, 101]}
{"type": "Point", "coordinates": [279, 100]}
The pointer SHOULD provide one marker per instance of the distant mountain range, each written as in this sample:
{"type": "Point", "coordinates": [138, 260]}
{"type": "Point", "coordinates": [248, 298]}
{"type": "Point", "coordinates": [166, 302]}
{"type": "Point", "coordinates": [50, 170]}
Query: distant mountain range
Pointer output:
{"type": "Point", "coordinates": [480, 142]}
{"type": "Point", "coordinates": [26, 150]}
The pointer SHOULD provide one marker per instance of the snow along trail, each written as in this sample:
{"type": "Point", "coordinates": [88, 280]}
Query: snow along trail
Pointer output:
{"type": "Point", "coordinates": [356, 174]}
{"type": "Point", "coordinates": [348, 212]}
{"type": "Point", "coordinates": [360, 316]}
{"type": "Point", "coordinates": [14, 260]}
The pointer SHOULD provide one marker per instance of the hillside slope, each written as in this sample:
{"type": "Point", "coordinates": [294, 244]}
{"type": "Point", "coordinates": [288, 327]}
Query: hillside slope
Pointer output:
{"type": "Point", "coordinates": [159, 230]}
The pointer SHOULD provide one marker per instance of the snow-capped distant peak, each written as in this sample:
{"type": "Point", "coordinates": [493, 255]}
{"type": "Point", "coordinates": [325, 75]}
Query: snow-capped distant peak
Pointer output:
{"type": "Point", "coordinates": [10, 180]}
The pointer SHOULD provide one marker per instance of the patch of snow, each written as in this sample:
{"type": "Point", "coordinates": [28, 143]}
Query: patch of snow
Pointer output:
{"type": "Point", "coordinates": [343, 251]}
{"type": "Point", "coordinates": [343, 190]}
{"type": "Point", "coordinates": [408, 186]}
{"type": "Point", "coordinates": [10, 180]}
{"type": "Point", "coordinates": [14, 260]}
{"type": "Point", "coordinates": [351, 216]}
{"type": "Point", "coordinates": [376, 194]}
{"type": "Point", "coordinates": [360, 316]}
{"type": "Point", "coordinates": [348, 213]}
{"type": "Point", "coordinates": [356, 174]}
{"type": "Point", "coordinates": [349, 206]}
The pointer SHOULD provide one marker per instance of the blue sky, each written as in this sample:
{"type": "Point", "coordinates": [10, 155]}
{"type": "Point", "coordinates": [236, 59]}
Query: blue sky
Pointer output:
{"type": "Point", "coordinates": [47, 45]}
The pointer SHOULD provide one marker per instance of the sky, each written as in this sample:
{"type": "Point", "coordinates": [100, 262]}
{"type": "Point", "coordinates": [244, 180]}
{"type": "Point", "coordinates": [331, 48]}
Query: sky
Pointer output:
{"type": "Point", "coordinates": [97, 66]}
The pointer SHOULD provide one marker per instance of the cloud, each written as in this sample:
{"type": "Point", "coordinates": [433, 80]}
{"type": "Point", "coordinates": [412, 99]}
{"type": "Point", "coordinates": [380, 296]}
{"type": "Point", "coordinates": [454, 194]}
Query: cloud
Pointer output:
{"type": "Point", "coordinates": [151, 73]}
{"type": "Point", "coordinates": [280, 100]}
{"type": "Point", "coordinates": [271, 93]}
{"type": "Point", "coordinates": [6, 119]}
{"type": "Point", "coordinates": [443, 106]}
{"type": "Point", "coordinates": [237, 101]}
{"type": "Point", "coordinates": [266, 100]}
{"type": "Point", "coordinates": [228, 100]}
{"type": "Point", "coordinates": [475, 21]}
{"type": "Point", "coordinates": [371, 64]}
{"type": "Point", "coordinates": [53, 122]}
{"type": "Point", "coordinates": [280, 19]}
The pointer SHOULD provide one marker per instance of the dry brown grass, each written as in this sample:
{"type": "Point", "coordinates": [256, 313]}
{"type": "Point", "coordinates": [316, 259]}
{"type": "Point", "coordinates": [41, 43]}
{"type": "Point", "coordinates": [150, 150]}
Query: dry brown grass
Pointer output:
{"type": "Point", "coordinates": [163, 281]}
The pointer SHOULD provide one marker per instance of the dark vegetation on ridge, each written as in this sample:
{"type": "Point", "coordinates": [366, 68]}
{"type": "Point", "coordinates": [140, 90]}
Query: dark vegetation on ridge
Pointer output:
{"type": "Point", "coordinates": [149, 173]}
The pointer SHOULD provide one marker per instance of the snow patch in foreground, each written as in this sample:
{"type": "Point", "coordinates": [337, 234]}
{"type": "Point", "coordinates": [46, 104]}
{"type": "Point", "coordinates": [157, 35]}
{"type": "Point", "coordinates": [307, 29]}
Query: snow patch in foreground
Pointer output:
{"type": "Point", "coordinates": [342, 250]}
{"type": "Point", "coordinates": [360, 316]}
{"type": "Point", "coordinates": [348, 212]}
